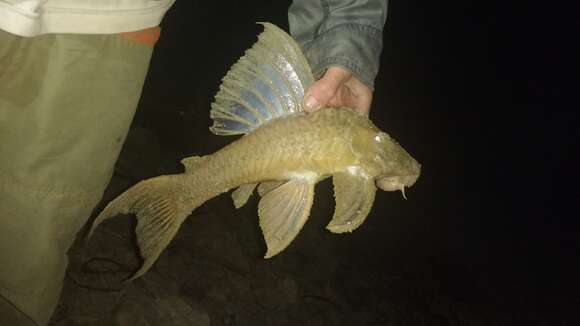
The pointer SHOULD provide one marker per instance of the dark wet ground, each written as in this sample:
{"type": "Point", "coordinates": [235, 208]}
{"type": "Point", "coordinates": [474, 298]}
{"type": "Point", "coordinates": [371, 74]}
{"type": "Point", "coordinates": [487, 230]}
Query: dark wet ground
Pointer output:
{"type": "Point", "coordinates": [487, 237]}
{"type": "Point", "coordinates": [213, 272]}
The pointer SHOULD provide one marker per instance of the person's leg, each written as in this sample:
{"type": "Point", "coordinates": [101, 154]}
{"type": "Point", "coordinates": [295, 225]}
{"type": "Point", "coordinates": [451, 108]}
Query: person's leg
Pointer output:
{"type": "Point", "coordinates": [66, 103]}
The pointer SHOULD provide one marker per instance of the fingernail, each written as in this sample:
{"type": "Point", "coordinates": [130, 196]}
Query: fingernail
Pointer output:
{"type": "Point", "coordinates": [311, 103]}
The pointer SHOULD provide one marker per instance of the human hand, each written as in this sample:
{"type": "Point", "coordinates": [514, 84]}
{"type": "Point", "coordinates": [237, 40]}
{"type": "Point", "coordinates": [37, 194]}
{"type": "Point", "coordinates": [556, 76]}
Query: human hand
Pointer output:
{"type": "Point", "coordinates": [338, 87]}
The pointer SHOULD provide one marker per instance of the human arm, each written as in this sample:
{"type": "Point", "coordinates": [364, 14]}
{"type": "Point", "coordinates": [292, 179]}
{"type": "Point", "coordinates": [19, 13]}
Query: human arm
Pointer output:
{"type": "Point", "coordinates": [342, 40]}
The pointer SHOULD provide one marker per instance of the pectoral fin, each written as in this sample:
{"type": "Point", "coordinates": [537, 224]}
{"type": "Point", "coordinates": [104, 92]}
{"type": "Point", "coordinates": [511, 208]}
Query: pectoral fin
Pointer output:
{"type": "Point", "coordinates": [354, 194]}
{"type": "Point", "coordinates": [241, 195]}
{"type": "Point", "coordinates": [283, 211]}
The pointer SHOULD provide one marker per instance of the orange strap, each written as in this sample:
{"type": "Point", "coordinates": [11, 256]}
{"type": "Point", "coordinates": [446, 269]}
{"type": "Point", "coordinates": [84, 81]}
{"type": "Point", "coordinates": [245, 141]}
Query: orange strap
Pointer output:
{"type": "Point", "coordinates": [148, 36]}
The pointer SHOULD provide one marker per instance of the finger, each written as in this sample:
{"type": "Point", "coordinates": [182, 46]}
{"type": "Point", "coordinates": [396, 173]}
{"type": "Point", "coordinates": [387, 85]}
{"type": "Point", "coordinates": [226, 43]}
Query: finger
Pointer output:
{"type": "Point", "coordinates": [353, 94]}
{"type": "Point", "coordinates": [320, 93]}
{"type": "Point", "coordinates": [362, 95]}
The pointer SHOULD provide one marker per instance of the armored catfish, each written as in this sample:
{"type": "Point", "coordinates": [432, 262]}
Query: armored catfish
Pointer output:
{"type": "Point", "coordinates": [283, 150]}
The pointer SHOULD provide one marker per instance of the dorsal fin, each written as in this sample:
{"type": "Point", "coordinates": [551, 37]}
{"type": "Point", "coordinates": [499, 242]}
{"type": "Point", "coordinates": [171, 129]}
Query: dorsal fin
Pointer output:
{"type": "Point", "coordinates": [269, 81]}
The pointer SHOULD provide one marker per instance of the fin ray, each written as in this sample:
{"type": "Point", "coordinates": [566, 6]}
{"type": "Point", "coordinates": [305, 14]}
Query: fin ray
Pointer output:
{"type": "Point", "coordinates": [263, 90]}
{"type": "Point", "coordinates": [159, 216]}
{"type": "Point", "coordinates": [283, 212]}
{"type": "Point", "coordinates": [267, 186]}
{"type": "Point", "coordinates": [229, 96]}
{"type": "Point", "coordinates": [241, 195]}
{"type": "Point", "coordinates": [269, 81]}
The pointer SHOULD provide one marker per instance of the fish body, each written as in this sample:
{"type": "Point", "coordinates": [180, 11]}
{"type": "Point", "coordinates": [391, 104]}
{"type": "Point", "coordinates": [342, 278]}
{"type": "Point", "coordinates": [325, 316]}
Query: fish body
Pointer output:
{"type": "Point", "coordinates": [299, 146]}
{"type": "Point", "coordinates": [283, 152]}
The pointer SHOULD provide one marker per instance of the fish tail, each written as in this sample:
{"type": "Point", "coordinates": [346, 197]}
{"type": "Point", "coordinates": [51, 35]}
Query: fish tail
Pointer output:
{"type": "Point", "coordinates": [159, 211]}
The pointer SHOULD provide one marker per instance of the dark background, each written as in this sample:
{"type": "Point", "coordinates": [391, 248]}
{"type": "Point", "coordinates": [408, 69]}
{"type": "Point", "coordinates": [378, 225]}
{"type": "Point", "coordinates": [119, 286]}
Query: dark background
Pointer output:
{"type": "Point", "coordinates": [477, 92]}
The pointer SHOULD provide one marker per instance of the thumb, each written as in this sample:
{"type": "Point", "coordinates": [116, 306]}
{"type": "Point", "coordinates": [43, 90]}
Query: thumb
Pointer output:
{"type": "Point", "coordinates": [320, 93]}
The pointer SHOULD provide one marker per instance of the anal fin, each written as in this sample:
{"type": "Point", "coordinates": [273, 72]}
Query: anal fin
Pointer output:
{"type": "Point", "coordinates": [355, 195]}
{"type": "Point", "coordinates": [241, 195]}
{"type": "Point", "coordinates": [283, 212]}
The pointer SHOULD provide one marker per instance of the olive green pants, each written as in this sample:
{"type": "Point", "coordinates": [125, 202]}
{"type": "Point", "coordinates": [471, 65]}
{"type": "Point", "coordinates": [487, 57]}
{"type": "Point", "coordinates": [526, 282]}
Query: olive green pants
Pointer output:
{"type": "Point", "coordinates": [66, 103]}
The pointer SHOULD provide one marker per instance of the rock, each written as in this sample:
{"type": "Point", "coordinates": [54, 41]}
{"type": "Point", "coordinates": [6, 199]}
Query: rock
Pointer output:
{"type": "Point", "coordinates": [219, 292]}
{"type": "Point", "coordinates": [174, 311]}
{"type": "Point", "coordinates": [145, 305]}
{"type": "Point", "coordinates": [203, 276]}
{"type": "Point", "coordinates": [288, 290]}
{"type": "Point", "coordinates": [267, 297]}
{"type": "Point", "coordinates": [175, 265]}
{"type": "Point", "coordinates": [130, 313]}
{"type": "Point", "coordinates": [156, 286]}
{"type": "Point", "coordinates": [135, 308]}
{"type": "Point", "coordinates": [277, 294]}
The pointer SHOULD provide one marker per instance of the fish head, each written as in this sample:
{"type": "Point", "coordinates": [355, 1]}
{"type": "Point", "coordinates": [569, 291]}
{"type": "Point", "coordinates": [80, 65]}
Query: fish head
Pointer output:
{"type": "Point", "coordinates": [396, 168]}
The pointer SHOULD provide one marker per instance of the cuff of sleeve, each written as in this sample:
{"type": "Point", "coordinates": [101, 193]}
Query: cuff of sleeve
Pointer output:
{"type": "Point", "coordinates": [352, 46]}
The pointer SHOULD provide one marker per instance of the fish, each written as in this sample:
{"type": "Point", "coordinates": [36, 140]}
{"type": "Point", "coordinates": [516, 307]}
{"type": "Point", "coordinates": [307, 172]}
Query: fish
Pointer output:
{"type": "Point", "coordinates": [282, 153]}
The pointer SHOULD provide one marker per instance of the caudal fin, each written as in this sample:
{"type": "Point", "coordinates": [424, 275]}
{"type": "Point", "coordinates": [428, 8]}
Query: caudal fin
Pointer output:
{"type": "Point", "coordinates": [159, 210]}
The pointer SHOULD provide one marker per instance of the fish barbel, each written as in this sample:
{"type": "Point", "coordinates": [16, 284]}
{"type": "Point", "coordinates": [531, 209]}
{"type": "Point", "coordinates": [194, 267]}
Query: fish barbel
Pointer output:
{"type": "Point", "coordinates": [283, 154]}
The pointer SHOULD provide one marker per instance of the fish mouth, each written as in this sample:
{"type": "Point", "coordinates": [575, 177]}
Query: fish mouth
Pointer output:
{"type": "Point", "coordinates": [397, 183]}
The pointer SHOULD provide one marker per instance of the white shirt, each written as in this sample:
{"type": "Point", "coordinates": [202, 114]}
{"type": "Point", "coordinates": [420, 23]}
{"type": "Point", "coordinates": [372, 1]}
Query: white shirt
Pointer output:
{"type": "Point", "coordinates": [36, 17]}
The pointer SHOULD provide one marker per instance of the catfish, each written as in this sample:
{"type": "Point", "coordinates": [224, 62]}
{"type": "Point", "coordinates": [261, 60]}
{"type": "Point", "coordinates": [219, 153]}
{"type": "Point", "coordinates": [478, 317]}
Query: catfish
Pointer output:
{"type": "Point", "coordinates": [283, 152]}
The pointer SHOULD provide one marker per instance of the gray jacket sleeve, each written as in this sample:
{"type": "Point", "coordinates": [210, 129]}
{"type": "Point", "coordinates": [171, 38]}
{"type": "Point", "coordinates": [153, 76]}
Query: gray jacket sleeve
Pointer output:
{"type": "Point", "coordinates": [346, 33]}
